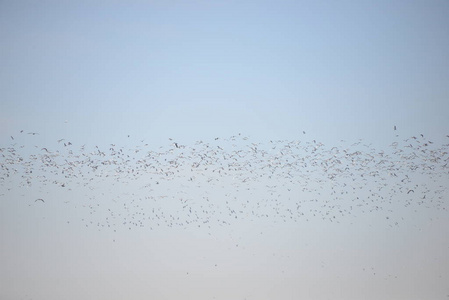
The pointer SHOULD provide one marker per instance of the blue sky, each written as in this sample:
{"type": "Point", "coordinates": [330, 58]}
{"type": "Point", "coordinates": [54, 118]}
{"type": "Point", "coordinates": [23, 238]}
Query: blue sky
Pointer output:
{"type": "Point", "coordinates": [94, 72]}
{"type": "Point", "coordinates": [206, 68]}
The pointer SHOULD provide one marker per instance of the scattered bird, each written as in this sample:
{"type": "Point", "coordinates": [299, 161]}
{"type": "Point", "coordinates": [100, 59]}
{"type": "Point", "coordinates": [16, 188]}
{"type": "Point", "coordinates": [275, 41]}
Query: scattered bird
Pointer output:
{"type": "Point", "coordinates": [39, 200]}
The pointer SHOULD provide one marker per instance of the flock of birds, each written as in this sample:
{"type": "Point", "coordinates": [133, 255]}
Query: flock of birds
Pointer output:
{"type": "Point", "coordinates": [226, 180]}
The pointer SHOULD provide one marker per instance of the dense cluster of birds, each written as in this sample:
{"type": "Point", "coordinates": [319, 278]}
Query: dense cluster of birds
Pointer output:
{"type": "Point", "coordinates": [229, 179]}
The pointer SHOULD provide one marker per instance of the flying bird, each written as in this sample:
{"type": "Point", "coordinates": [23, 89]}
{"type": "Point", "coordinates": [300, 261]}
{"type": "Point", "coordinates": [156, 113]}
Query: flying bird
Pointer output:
{"type": "Point", "coordinates": [40, 199]}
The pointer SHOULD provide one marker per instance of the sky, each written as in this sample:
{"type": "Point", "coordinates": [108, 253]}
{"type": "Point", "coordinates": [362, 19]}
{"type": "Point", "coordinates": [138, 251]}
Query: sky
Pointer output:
{"type": "Point", "coordinates": [143, 75]}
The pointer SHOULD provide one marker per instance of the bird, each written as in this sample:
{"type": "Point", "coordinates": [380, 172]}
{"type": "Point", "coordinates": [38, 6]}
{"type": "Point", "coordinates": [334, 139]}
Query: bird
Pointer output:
{"type": "Point", "coordinates": [246, 164]}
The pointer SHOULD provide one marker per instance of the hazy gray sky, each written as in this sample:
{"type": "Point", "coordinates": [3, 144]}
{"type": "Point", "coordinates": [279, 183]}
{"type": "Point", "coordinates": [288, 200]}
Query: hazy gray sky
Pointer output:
{"type": "Point", "coordinates": [95, 72]}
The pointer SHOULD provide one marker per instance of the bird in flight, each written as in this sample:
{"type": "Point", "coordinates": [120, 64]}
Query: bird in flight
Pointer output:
{"type": "Point", "coordinates": [394, 127]}
{"type": "Point", "coordinates": [40, 199]}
